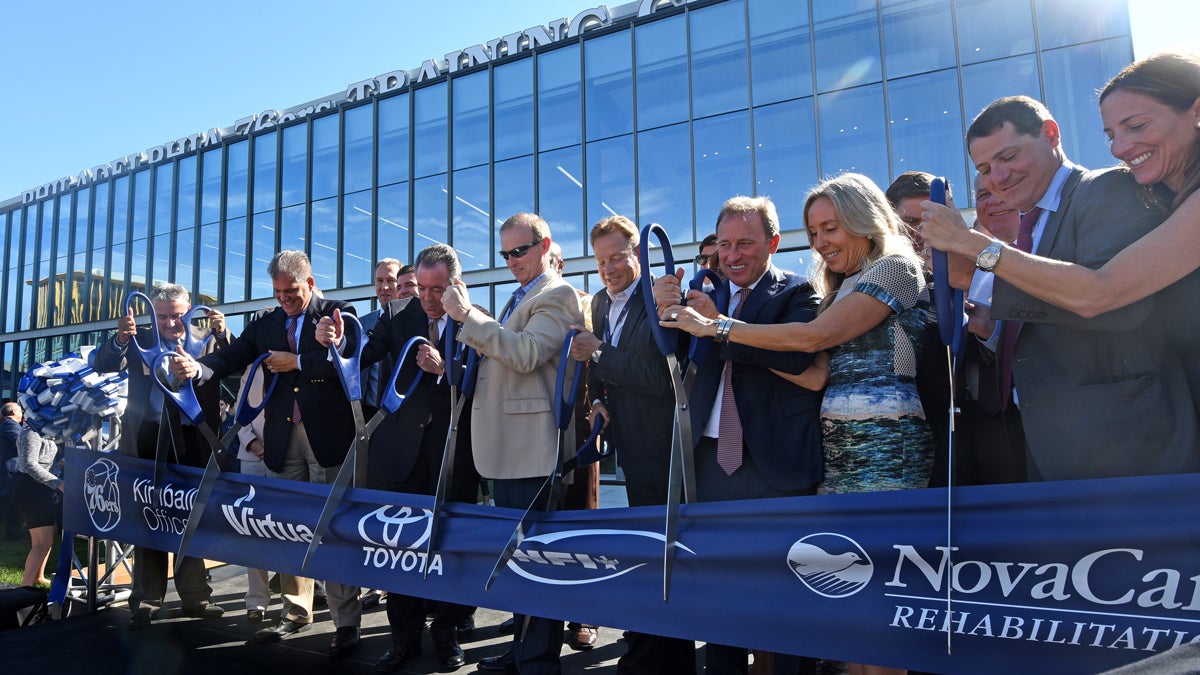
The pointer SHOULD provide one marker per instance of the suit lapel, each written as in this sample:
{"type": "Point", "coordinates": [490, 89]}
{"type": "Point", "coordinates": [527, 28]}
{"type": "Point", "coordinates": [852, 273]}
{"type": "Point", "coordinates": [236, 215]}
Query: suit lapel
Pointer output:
{"type": "Point", "coordinates": [1055, 219]}
{"type": "Point", "coordinates": [766, 288]}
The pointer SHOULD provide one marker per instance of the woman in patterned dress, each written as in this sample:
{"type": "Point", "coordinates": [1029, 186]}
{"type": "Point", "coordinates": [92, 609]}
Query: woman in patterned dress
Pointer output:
{"type": "Point", "coordinates": [872, 320]}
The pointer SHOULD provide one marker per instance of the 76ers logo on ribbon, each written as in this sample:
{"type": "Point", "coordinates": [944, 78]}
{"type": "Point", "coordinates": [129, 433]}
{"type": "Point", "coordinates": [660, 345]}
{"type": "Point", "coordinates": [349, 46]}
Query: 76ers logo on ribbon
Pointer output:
{"type": "Point", "coordinates": [101, 494]}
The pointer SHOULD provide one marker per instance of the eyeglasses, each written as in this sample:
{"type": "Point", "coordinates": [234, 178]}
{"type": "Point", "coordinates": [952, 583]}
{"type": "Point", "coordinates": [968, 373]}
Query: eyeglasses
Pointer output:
{"type": "Point", "coordinates": [520, 251]}
{"type": "Point", "coordinates": [701, 260]}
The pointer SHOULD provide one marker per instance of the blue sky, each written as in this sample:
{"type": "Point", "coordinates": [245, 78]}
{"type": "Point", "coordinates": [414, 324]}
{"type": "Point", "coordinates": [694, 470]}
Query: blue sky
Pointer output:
{"type": "Point", "coordinates": [89, 82]}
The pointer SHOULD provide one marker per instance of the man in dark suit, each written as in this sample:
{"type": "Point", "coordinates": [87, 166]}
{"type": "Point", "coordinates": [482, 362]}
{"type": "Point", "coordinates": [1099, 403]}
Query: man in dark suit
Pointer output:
{"type": "Point", "coordinates": [141, 434]}
{"type": "Point", "coordinates": [768, 428]}
{"type": "Point", "coordinates": [406, 449]}
{"type": "Point", "coordinates": [1102, 396]}
{"type": "Point", "coordinates": [308, 385]}
{"type": "Point", "coordinates": [630, 386]}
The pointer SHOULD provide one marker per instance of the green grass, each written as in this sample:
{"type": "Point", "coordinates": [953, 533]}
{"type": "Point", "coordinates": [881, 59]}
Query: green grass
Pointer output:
{"type": "Point", "coordinates": [12, 558]}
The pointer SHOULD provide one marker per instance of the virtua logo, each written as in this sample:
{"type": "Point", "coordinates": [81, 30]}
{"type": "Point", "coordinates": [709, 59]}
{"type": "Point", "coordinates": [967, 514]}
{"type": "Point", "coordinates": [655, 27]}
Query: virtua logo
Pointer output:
{"type": "Point", "coordinates": [245, 523]}
{"type": "Point", "coordinates": [536, 562]}
{"type": "Point", "coordinates": [831, 565]}
{"type": "Point", "coordinates": [102, 495]}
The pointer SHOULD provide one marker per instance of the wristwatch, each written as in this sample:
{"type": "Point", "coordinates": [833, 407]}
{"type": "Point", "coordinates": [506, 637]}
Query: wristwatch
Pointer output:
{"type": "Point", "coordinates": [989, 257]}
{"type": "Point", "coordinates": [596, 354]}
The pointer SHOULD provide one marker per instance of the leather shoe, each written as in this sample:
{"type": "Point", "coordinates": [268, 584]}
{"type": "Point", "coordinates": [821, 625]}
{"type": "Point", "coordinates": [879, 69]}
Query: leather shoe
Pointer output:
{"type": "Point", "coordinates": [450, 657]}
{"type": "Point", "coordinates": [203, 612]}
{"type": "Point", "coordinates": [370, 599]}
{"type": "Point", "coordinates": [583, 637]}
{"type": "Point", "coordinates": [345, 640]}
{"type": "Point", "coordinates": [507, 626]}
{"type": "Point", "coordinates": [280, 630]}
{"type": "Point", "coordinates": [465, 628]}
{"type": "Point", "coordinates": [394, 658]}
{"type": "Point", "coordinates": [140, 620]}
{"type": "Point", "coordinates": [505, 663]}
{"type": "Point", "coordinates": [255, 616]}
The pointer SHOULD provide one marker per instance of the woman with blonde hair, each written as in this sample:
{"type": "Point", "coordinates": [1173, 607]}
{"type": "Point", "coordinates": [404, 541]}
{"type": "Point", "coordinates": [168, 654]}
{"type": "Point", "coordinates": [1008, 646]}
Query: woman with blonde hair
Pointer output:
{"type": "Point", "coordinates": [872, 319]}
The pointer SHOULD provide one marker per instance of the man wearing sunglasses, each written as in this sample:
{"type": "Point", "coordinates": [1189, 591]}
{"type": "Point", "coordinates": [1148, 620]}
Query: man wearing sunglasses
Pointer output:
{"type": "Point", "coordinates": [707, 257]}
{"type": "Point", "coordinates": [514, 391]}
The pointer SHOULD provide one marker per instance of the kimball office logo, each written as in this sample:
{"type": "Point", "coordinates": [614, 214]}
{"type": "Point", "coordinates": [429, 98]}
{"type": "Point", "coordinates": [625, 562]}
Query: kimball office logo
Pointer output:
{"type": "Point", "coordinates": [831, 565]}
{"type": "Point", "coordinates": [546, 558]}
{"type": "Point", "coordinates": [102, 495]}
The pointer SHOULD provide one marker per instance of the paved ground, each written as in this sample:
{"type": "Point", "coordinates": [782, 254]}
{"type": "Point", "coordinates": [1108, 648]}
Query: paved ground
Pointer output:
{"type": "Point", "coordinates": [99, 643]}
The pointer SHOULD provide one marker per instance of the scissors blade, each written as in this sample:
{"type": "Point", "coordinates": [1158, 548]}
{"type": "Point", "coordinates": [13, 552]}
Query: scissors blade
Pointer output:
{"type": "Point", "coordinates": [160, 448]}
{"type": "Point", "coordinates": [527, 520]}
{"type": "Point", "coordinates": [681, 479]}
{"type": "Point", "coordinates": [336, 492]}
{"type": "Point", "coordinates": [211, 471]}
{"type": "Point", "coordinates": [444, 473]}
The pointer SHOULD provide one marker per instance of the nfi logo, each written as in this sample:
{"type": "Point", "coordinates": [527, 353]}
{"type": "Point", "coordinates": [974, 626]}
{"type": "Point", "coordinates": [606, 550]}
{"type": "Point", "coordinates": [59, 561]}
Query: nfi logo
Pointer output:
{"type": "Point", "coordinates": [548, 558]}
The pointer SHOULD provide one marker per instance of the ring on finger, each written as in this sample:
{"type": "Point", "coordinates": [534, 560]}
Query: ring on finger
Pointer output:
{"type": "Point", "coordinates": [674, 315]}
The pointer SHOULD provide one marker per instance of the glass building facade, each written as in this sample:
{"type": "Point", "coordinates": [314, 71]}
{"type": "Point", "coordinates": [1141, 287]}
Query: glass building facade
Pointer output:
{"type": "Point", "coordinates": [658, 114]}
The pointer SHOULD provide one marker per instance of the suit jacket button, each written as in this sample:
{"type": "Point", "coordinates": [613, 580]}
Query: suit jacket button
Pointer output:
{"type": "Point", "coordinates": [296, 390]}
{"type": "Point", "coordinates": [289, 419]}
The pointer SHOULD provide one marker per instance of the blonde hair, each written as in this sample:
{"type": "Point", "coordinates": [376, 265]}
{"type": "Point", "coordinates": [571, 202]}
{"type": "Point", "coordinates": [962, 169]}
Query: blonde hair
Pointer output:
{"type": "Point", "coordinates": [863, 211]}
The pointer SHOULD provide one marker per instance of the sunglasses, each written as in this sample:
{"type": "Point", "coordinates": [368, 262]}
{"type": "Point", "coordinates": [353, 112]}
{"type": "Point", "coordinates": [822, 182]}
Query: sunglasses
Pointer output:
{"type": "Point", "coordinates": [520, 251]}
{"type": "Point", "coordinates": [701, 260]}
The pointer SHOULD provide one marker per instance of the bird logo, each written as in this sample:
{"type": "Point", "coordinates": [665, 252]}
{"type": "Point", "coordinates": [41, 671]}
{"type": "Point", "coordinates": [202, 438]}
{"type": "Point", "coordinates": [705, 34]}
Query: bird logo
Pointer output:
{"type": "Point", "coordinates": [830, 565]}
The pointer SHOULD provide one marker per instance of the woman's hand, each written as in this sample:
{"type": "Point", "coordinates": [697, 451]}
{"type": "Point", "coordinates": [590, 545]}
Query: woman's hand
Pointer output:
{"type": "Point", "coordinates": [689, 320]}
{"type": "Point", "coordinates": [945, 230]}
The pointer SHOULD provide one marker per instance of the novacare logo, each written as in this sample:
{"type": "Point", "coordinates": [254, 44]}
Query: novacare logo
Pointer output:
{"type": "Point", "coordinates": [1108, 577]}
{"type": "Point", "coordinates": [830, 564]}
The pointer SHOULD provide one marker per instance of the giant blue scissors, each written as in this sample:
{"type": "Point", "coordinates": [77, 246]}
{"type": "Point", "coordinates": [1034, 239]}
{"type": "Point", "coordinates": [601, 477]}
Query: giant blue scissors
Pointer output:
{"type": "Point", "coordinates": [681, 482]}
{"type": "Point", "coordinates": [187, 402]}
{"type": "Point", "coordinates": [461, 371]}
{"type": "Point", "coordinates": [547, 496]}
{"type": "Point", "coordinates": [949, 306]}
{"type": "Point", "coordinates": [349, 371]}
{"type": "Point", "coordinates": [168, 424]}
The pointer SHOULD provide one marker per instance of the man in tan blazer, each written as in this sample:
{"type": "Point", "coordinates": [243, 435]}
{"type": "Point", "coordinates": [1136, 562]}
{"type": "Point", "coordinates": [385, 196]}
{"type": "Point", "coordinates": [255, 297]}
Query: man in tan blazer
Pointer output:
{"type": "Point", "coordinates": [515, 390]}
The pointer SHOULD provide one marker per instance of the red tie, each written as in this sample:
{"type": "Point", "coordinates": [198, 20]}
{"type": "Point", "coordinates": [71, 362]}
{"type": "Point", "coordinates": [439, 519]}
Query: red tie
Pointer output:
{"type": "Point", "coordinates": [1009, 335]}
{"type": "Point", "coordinates": [291, 339]}
{"type": "Point", "coordinates": [729, 435]}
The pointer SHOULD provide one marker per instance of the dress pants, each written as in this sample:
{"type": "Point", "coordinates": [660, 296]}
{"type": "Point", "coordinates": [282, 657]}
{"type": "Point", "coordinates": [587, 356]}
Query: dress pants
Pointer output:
{"type": "Point", "coordinates": [714, 485]}
{"type": "Point", "coordinates": [150, 580]}
{"type": "Point", "coordinates": [258, 592]}
{"type": "Point", "coordinates": [345, 609]}
{"type": "Point", "coordinates": [538, 652]}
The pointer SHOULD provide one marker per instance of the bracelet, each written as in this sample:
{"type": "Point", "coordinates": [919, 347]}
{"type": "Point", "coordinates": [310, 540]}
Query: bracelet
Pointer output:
{"type": "Point", "coordinates": [723, 327]}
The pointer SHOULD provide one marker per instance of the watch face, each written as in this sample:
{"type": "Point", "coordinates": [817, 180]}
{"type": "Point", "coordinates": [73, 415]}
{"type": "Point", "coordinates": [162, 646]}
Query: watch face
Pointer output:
{"type": "Point", "coordinates": [988, 258]}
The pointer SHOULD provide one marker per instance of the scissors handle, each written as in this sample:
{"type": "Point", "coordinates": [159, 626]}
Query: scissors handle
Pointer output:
{"type": "Point", "coordinates": [698, 347]}
{"type": "Point", "coordinates": [348, 366]}
{"type": "Point", "coordinates": [148, 354]}
{"type": "Point", "coordinates": [665, 339]}
{"type": "Point", "coordinates": [564, 406]}
{"type": "Point", "coordinates": [191, 344]}
{"type": "Point", "coordinates": [391, 400]}
{"type": "Point", "coordinates": [948, 300]}
{"type": "Point", "coordinates": [185, 398]}
{"type": "Point", "coordinates": [245, 412]}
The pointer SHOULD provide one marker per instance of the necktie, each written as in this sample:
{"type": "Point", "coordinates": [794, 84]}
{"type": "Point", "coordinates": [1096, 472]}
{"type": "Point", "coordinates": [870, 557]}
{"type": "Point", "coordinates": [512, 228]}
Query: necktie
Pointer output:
{"type": "Point", "coordinates": [729, 441]}
{"type": "Point", "coordinates": [1011, 328]}
{"type": "Point", "coordinates": [434, 334]}
{"type": "Point", "coordinates": [291, 340]}
{"type": "Point", "coordinates": [517, 296]}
